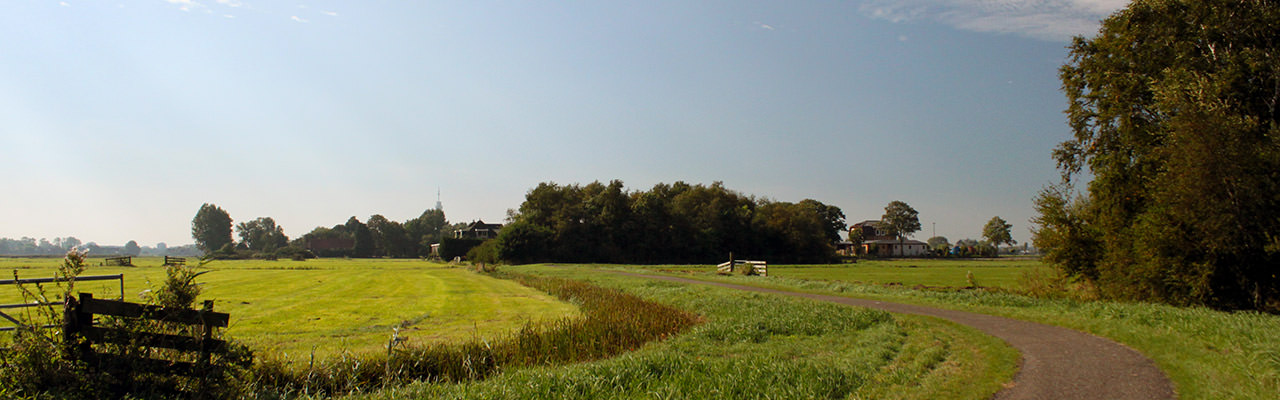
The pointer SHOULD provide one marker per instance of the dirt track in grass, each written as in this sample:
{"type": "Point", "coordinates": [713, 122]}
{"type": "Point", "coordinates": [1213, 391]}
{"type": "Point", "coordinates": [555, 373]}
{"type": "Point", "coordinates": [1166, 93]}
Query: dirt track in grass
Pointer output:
{"type": "Point", "coordinates": [1057, 363]}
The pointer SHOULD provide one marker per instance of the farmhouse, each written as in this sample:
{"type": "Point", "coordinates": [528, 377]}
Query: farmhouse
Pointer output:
{"type": "Point", "coordinates": [878, 242]}
{"type": "Point", "coordinates": [892, 248]}
{"type": "Point", "coordinates": [478, 230]}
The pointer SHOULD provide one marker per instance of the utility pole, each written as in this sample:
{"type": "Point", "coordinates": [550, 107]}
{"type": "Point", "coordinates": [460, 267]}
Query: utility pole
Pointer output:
{"type": "Point", "coordinates": [935, 229]}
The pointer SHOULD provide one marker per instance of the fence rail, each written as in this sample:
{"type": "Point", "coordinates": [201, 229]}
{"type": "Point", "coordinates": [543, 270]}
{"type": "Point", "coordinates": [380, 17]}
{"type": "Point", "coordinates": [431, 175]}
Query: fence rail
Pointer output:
{"type": "Point", "coordinates": [79, 322]}
{"type": "Point", "coordinates": [25, 281]}
{"type": "Point", "coordinates": [758, 267]}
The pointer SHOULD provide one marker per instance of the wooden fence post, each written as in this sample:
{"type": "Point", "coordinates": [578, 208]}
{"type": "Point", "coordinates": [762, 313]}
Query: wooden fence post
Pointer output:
{"type": "Point", "coordinates": [206, 334]}
{"type": "Point", "coordinates": [75, 322]}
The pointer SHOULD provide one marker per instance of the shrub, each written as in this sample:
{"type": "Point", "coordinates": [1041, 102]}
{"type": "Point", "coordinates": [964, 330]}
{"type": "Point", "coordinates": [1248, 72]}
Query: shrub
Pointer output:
{"type": "Point", "coordinates": [485, 253]}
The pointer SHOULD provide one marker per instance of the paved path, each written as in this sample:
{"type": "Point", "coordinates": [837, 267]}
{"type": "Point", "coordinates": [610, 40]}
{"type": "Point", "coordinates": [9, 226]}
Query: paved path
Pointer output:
{"type": "Point", "coordinates": [1057, 363]}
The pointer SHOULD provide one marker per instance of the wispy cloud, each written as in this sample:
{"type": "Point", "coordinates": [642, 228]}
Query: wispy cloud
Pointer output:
{"type": "Point", "coordinates": [1056, 20]}
{"type": "Point", "coordinates": [330, 13]}
{"type": "Point", "coordinates": [185, 5]}
{"type": "Point", "coordinates": [299, 19]}
{"type": "Point", "coordinates": [230, 3]}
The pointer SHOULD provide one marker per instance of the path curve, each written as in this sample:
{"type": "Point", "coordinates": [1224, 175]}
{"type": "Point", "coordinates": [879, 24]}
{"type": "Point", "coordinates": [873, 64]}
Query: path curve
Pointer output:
{"type": "Point", "coordinates": [1057, 363]}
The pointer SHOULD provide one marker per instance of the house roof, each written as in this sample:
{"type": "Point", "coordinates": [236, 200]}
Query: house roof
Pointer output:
{"type": "Point", "coordinates": [895, 241]}
{"type": "Point", "coordinates": [480, 225]}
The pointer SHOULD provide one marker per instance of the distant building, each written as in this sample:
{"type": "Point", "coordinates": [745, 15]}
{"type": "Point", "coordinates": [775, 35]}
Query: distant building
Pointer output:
{"type": "Point", "coordinates": [878, 242]}
{"type": "Point", "coordinates": [478, 230]}
{"type": "Point", "coordinates": [871, 230]}
{"type": "Point", "coordinates": [894, 248]}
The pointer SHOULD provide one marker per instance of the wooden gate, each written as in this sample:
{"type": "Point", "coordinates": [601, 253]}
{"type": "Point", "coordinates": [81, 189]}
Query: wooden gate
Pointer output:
{"type": "Point", "coordinates": [189, 340]}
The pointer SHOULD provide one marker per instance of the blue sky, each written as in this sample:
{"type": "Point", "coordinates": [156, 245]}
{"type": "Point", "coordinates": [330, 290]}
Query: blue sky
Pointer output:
{"type": "Point", "coordinates": [118, 119]}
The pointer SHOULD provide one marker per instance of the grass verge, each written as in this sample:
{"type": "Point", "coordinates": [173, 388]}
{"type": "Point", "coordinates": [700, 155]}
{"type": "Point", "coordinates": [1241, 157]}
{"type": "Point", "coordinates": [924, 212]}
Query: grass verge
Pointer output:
{"type": "Point", "coordinates": [1208, 354]}
{"type": "Point", "coordinates": [755, 346]}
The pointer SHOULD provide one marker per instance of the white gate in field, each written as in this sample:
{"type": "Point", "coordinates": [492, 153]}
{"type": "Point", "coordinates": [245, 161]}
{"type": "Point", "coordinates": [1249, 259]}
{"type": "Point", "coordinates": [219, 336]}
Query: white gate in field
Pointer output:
{"type": "Point", "coordinates": [758, 267]}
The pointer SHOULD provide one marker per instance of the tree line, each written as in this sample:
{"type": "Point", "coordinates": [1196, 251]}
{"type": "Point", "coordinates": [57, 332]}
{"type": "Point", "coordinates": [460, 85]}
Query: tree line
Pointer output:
{"type": "Point", "coordinates": [1175, 112]}
{"type": "Point", "coordinates": [212, 229]}
{"type": "Point", "coordinates": [669, 223]}
{"type": "Point", "coordinates": [59, 246]}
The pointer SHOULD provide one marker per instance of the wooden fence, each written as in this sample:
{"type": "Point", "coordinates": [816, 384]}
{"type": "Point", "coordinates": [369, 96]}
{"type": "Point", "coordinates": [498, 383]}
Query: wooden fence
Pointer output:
{"type": "Point", "coordinates": [118, 261]}
{"type": "Point", "coordinates": [18, 324]}
{"type": "Point", "coordinates": [174, 261]}
{"type": "Point", "coordinates": [728, 267]}
{"type": "Point", "coordinates": [79, 323]}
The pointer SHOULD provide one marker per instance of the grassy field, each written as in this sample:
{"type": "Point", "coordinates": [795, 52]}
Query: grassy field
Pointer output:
{"type": "Point", "coordinates": [333, 305]}
{"type": "Point", "coordinates": [1208, 354]}
{"type": "Point", "coordinates": [757, 346]}
{"type": "Point", "coordinates": [954, 273]}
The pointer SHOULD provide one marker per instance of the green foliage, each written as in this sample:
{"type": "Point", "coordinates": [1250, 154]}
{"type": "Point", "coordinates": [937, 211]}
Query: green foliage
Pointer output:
{"type": "Point", "coordinates": [131, 249]}
{"type": "Point", "coordinates": [452, 248]}
{"type": "Point", "coordinates": [391, 238]}
{"type": "Point", "coordinates": [997, 232]}
{"type": "Point", "coordinates": [522, 243]}
{"type": "Point", "coordinates": [365, 244]}
{"type": "Point", "coordinates": [486, 252]}
{"type": "Point", "coordinates": [262, 235]}
{"type": "Point", "coordinates": [179, 289]}
{"type": "Point", "coordinates": [1064, 234]}
{"type": "Point", "coordinates": [900, 220]}
{"type": "Point", "coordinates": [36, 363]}
{"type": "Point", "coordinates": [939, 243]}
{"type": "Point", "coordinates": [831, 216]}
{"type": "Point", "coordinates": [677, 223]}
{"type": "Point", "coordinates": [211, 228]}
{"type": "Point", "coordinates": [295, 253]}
{"type": "Point", "coordinates": [1174, 108]}
{"type": "Point", "coordinates": [426, 229]}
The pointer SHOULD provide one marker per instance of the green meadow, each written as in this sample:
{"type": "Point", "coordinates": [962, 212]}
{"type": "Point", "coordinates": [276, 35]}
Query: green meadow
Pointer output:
{"type": "Point", "coordinates": [934, 273]}
{"type": "Point", "coordinates": [757, 346]}
{"type": "Point", "coordinates": [1208, 354]}
{"type": "Point", "coordinates": [331, 306]}
{"type": "Point", "coordinates": [747, 345]}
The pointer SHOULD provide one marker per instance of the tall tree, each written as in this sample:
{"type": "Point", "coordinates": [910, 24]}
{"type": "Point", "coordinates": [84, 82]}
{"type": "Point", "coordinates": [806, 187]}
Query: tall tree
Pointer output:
{"type": "Point", "coordinates": [939, 243]}
{"type": "Point", "coordinates": [364, 246]}
{"type": "Point", "coordinates": [832, 218]}
{"type": "Point", "coordinates": [997, 232]}
{"type": "Point", "coordinates": [211, 228]}
{"type": "Point", "coordinates": [262, 234]}
{"type": "Point", "coordinates": [390, 236]}
{"type": "Point", "coordinates": [856, 237]}
{"type": "Point", "coordinates": [1175, 110]}
{"type": "Point", "coordinates": [131, 249]}
{"type": "Point", "coordinates": [426, 229]}
{"type": "Point", "coordinates": [900, 220]}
